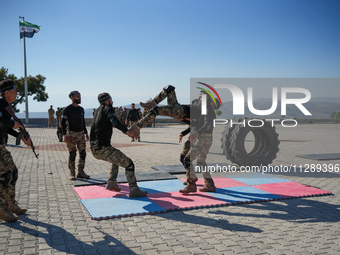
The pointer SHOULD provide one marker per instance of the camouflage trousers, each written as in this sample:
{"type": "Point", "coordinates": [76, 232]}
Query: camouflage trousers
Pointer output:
{"type": "Point", "coordinates": [173, 109]}
{"type": "Point", "coordinates": [198, 149]}
{"type": "Point", "coordinates": [76, 141]}
{"type": "Point", "coordinates": [117, 159]}
{"type": "Point", "coordinates": [8, 177]}
{"type": "Point", "coordinates": [58, 121]}
{"type": "Point", "coordinates": [51, 120]}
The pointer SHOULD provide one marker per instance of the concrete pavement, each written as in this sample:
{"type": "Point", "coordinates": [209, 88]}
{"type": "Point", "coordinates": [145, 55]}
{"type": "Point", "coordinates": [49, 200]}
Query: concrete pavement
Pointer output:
{"type": "Point", "coordinates": [56, 223]}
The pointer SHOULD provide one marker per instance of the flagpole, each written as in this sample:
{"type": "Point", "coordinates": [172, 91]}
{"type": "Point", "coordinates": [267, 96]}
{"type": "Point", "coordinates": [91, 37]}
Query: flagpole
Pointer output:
{"type": "Point", "coordinates": [26, 90]}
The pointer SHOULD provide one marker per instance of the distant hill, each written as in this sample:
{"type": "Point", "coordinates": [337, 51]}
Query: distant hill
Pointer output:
{"type": "Point", "coordinates": [326, 99]}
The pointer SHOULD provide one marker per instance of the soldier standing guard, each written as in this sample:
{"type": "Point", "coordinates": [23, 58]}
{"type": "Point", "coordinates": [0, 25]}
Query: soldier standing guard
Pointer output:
{"type": "Point", "coordinates": [59, 113]}
{"type": "Point", "coordinates": [74, 135]}
{"type": "Point", "coordinates": [101, 132]}
{"type": "Point", "coordinates": [8, 170]}
{"type": "Point", "coordinates": [51, 116]}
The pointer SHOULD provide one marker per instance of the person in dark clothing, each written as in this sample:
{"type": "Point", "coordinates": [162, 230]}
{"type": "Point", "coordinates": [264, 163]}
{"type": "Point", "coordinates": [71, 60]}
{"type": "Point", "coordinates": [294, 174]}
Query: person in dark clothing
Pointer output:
{"type": "Point", "coordinates": [8, 170]}
{"type": "Point", "coordinates": [104, 120]}
{"type": "Point", "coordinates": [74, 130]}
{"type": "Point", "coordinates": [132, 118]}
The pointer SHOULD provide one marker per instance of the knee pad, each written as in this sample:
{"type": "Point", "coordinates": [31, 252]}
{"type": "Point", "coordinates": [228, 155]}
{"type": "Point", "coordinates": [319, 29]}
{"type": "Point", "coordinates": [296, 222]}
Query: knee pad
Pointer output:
{"type": "Point", "coordinates": [6, 178]}
{"type": "Point", "coordinates": [168, 88]}
{"type": "Point", "coordinates": [83, 154]}
{"type": "Point", "coordinates": [130, 167]}
{"type": "Point", "coordinates": [73, 155]}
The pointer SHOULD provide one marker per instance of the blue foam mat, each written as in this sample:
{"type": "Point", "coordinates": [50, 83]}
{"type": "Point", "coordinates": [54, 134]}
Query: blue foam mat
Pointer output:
{"type": "Point", "coordinates": [104, 208]}
{"type": "Point", "coordinates": [161, 186]}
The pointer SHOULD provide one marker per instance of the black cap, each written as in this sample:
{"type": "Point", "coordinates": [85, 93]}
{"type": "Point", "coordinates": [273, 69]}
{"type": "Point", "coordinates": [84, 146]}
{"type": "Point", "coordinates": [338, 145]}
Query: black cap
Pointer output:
{"type": "Point", "coordinates": [73, 93]}
{"type": "Point", "coordinates": [102, 97]}
{"type": "Point", "coordinates": [6, 85]}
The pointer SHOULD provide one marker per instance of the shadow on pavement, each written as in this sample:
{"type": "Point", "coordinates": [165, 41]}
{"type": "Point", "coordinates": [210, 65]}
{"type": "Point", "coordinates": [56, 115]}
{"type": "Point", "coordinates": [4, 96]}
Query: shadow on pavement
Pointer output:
{"type": "Point", "coordinates": [63, 241]}
{"type": "Point", "coordinates": [295, 210]}
{"type": "Point", "coordinates": [206, 221]}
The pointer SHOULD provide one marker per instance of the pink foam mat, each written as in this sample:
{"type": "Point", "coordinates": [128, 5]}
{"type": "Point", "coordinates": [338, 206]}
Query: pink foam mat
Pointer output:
{"type": "Point", "coordinates": [291, 189]}
{"type": "Point", "coordinates": [177, 200]}
{"type": "Point", "coordinates": [99, 191]}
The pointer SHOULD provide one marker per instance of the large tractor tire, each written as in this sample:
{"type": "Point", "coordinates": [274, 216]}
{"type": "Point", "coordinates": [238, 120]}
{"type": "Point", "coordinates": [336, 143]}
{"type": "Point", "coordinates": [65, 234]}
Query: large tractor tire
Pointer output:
{"type": "Point", "coordinates": [266, 144]}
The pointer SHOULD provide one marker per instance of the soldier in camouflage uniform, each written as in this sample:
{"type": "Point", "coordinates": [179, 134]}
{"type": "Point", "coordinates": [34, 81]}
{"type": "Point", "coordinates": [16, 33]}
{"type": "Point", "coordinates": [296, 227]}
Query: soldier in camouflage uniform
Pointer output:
{"type": "Point", "coordinates": [119, 114]}
{"type": "Point", "coordinates": [59, 113]}
{"type": "Point", "coordinates": [200, 140]}
{"type": "Point", "coordinates": [74, 135]}
{"type": "Point", "coordinates": [101, 148]}
{"type": "Point", "coordinates": [197, 146]}
{"type": "Point", "coordinates": [51, 116]}
{"type": "Point", "coordinates": [124, 114]}
{"type": "Point", "coordinates": [8, 170]}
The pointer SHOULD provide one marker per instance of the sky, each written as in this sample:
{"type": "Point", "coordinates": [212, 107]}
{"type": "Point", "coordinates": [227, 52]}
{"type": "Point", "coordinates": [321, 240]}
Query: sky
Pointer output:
{"type": "Point", "coordinates": [133, 48]}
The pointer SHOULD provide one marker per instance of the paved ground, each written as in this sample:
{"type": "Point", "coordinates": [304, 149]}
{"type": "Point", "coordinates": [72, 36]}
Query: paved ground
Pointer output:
{"type": "Point", "coordinates": [56, 223]}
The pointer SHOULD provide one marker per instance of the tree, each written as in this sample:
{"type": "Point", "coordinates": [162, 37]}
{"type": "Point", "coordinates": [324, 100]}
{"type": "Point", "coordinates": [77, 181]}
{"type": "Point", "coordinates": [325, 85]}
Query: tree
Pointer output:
{"type": "Point", "coordinates": [337, 115]}
{"type": "Point", "coordinates": [35, 87]}
{"type": "Point", "coordinates": [218, 112]}
{"type": "Point", "coordinates": [333, 115]}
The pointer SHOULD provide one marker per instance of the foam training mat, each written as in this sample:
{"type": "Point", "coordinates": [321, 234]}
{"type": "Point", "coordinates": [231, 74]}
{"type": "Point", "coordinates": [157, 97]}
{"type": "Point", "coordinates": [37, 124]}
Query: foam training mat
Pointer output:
{"type": "Point", "coordinates": [163, 195]}
{"type": "Point", "coordinates": [140, 175]}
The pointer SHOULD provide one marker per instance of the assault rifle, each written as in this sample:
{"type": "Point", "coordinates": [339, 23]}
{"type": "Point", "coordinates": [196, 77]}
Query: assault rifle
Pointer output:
{"type": "Point", "coordinates": [22, 131]}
